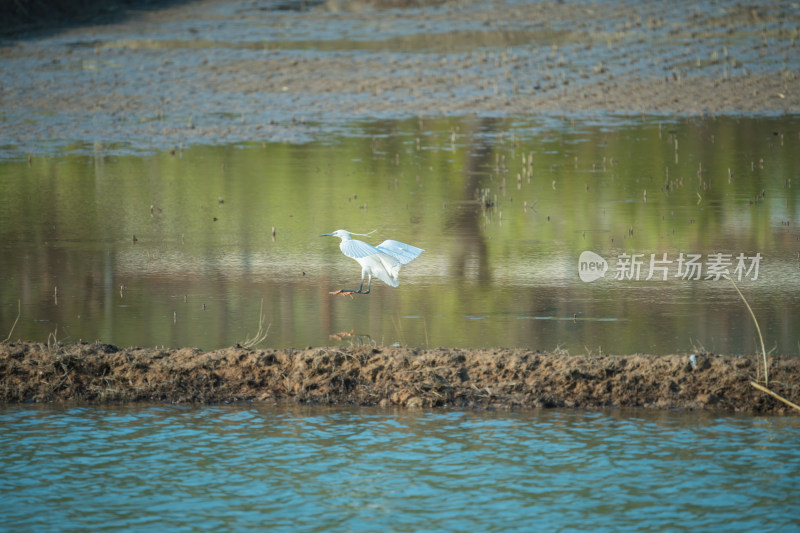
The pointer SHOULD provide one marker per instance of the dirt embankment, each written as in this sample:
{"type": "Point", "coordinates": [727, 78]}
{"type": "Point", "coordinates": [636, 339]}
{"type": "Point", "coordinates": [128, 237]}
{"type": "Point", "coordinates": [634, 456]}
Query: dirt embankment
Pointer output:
{"type": "Point", "coordinates": [388, 376]}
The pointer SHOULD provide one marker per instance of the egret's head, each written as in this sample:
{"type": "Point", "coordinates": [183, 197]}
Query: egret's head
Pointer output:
{"type": "Point", "coordinates": [342, 234]}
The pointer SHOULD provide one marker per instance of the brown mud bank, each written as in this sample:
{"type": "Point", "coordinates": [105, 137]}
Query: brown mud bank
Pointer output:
{"type": "Point", "coordinates": [389, 376]}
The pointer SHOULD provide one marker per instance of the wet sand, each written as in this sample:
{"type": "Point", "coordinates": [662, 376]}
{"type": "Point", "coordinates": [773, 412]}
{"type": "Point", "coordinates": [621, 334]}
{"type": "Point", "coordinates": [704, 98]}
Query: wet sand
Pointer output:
{"type": "Point", "coordinates": [392, 377]}
{"type": "Point", "coordinates": [223, 72]}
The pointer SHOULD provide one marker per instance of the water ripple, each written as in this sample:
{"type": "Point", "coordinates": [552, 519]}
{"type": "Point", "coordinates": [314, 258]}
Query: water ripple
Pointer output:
{"type": "Point", "coordinates": [155, 467]}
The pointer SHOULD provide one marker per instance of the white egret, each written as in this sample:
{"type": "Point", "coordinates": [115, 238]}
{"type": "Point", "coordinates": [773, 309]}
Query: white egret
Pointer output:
{"type": "Point", "coordinates": [382, 261]}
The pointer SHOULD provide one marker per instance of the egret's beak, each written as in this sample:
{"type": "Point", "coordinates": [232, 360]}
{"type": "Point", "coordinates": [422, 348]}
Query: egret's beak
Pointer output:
{"type": "Point", "coordinates": [327, 235]}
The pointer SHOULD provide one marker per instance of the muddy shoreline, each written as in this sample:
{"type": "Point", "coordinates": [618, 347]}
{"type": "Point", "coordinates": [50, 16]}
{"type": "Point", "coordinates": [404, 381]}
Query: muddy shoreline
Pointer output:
{"type": "Point", "coordinates": [391, 377]}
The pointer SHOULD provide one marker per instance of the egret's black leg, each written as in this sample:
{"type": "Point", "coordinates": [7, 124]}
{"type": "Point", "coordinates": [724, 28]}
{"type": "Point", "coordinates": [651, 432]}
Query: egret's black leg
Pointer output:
{"type": "Point", "coordinates": [361, 288]}
{"type": "Point", "coordinates": [369, 284]}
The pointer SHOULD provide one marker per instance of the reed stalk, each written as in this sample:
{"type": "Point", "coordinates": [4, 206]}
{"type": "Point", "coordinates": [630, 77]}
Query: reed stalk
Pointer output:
{"type": "Point", "coordinates": [261, 335]}
{"type": "Point", "coordinates": [781, 398]}
{"type": "Point", "coordinates": [758, 329]}
{"type": "Point", "coordinates": [19, 311]}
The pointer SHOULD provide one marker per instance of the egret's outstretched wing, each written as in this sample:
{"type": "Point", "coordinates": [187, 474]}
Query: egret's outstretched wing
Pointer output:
{"type": "Point", "coordinates": [404, 253]}
{"type": "Point", "coordinates": [357, 249]}
{"type": "Point", "coordinates": [390, 268]}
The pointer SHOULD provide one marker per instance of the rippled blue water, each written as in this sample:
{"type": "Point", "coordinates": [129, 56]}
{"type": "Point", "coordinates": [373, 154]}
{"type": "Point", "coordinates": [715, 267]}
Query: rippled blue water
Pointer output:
{"type": "Point", "coordinates": [318, 469]}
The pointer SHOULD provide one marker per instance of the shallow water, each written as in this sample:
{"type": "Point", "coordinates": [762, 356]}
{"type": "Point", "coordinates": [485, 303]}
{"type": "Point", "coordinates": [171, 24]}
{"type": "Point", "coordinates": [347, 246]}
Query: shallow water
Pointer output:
{"type": "Point", "coordinates": [503, 237]}
{"type": "Point", "coordinates": [320, 469]}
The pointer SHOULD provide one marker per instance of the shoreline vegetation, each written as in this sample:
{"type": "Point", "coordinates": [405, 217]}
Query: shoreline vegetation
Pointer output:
{"type": "Point", "coordinates": [390, 377]}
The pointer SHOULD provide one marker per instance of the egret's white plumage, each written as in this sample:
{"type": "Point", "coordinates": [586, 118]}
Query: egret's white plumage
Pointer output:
{"type": "Point", "coordinates": [382, 261]}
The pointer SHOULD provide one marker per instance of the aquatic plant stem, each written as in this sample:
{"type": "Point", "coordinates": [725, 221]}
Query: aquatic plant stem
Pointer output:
{"type": "Point", "coordinates": [261, 335]}
{"type": "Point", "coordinates": [758, 329]}
{"type": "Point", "coordinates": [781, 398]}
{"type": "Point", "coordinates": [19, 311]}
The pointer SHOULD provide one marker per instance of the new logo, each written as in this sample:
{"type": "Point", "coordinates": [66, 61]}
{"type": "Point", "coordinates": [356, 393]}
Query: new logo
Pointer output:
{"type": "Point", "coordinates": [591, 266]}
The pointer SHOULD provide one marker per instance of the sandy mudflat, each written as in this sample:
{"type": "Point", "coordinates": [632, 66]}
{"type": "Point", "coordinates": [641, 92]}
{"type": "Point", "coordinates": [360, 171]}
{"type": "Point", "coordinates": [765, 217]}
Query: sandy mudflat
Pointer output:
{"type": "Point", "coordinates": [220, 72]}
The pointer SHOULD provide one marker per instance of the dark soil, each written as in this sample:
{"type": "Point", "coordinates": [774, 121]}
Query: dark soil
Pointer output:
{"type": "Point", "coordinates": [23, 18]}
{"type": "Point", "coordinates": [388, 376]}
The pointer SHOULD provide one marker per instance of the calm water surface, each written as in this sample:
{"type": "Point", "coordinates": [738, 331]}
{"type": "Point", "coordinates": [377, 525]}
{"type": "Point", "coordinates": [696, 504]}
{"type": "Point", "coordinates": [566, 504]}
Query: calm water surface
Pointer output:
{"type": "Point", "coordinates": [504, 208]}
{"type": "Point", "coordinates": [182, 468]}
